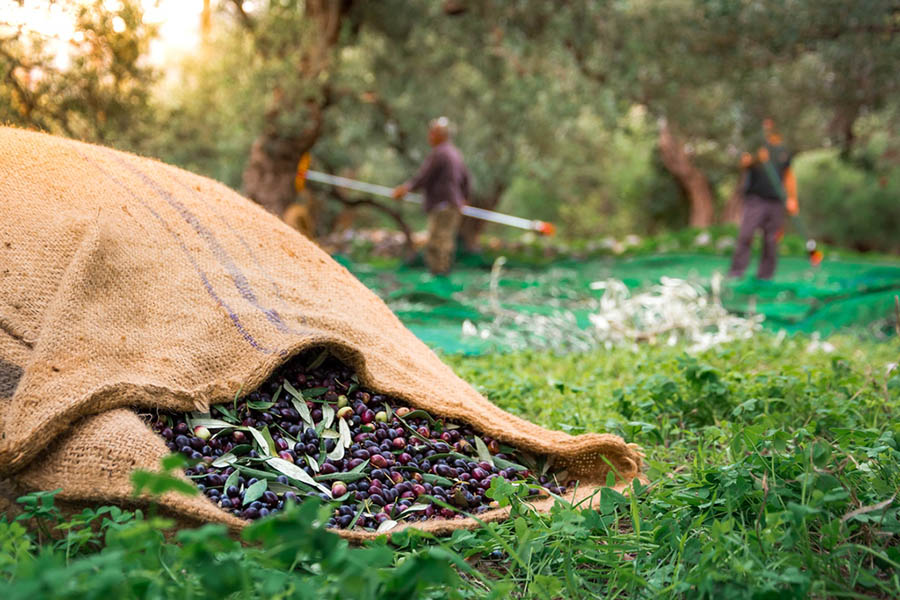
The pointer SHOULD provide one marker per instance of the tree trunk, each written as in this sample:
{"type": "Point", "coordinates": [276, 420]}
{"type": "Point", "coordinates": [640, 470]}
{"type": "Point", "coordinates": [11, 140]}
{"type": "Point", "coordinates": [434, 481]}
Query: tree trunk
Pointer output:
{"type": "Point", "coordinates": [470, 228]}
{"type": "Point", "coordinates": [735, 204]}
{"type": "Point", "coordinates": [677, 160]}
{"type": "Point", "coordinates": [268, 178]}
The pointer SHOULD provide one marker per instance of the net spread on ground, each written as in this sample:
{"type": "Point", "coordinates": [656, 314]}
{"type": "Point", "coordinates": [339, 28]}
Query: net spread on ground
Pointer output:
{"type": "Point", "coordinates": [574, 305]}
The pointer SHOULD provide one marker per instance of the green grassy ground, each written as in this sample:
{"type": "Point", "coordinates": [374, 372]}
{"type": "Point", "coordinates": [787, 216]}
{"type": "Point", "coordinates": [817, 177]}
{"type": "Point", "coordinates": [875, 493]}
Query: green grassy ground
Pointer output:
{"type": "Point", "coordinates": [774, 472]}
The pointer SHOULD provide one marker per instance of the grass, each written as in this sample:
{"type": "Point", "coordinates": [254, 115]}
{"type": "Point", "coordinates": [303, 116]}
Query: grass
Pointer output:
{"type": "Point", "coordinates": [774, 473]}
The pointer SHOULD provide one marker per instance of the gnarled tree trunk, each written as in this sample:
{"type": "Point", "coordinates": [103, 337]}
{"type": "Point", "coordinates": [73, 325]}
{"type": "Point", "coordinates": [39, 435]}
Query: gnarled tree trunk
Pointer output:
{"type": "Point", "coordinates": [679, 163]}
{"type": "Point", "coordinates": [734, 207]}
{"type": "Point", "coordinates": [269, 175]}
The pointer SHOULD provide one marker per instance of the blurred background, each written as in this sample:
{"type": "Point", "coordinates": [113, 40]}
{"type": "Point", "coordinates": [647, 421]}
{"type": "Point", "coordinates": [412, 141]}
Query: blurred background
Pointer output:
{"type": "Point", "coordinates": [607, 118]}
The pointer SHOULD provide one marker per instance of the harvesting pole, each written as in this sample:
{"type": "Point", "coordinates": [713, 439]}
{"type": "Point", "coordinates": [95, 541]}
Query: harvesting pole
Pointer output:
{"type": "Point", "coordinates": [305, 174]}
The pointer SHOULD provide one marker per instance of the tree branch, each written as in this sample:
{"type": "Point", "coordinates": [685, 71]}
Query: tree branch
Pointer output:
{"type": "Point", "coordinates": [246, 20]}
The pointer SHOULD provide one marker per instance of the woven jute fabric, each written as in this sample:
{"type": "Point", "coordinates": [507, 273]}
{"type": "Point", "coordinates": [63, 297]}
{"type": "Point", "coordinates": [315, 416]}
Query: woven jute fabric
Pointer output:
{"type": "Point", "coordinates": [128, 284]}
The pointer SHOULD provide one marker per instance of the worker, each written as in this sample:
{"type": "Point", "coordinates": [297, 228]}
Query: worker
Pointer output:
{"type": "Point", "coordinates": [444, 179]}
{"type": "Point", "coordinates": [768, 189]}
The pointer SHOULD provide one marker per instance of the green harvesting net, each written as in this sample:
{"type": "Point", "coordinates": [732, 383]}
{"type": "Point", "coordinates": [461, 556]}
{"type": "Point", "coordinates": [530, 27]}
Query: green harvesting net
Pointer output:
{"type": "Point", "coordinates": [478, 309]}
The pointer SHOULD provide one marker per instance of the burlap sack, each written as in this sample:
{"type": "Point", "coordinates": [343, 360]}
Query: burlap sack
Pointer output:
{"type": "Point", "coordinates": [127, 283]}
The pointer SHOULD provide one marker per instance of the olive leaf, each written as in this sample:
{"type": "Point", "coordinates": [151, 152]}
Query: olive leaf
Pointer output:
{"type": "Point", "coordinates": [281, 488]}
{"type": "Point", "coordinates": [255, 491]}
{"type": "Point", "coordinates": [327, 415]}
{"type": "Point", "coordinates": [261, 441]}
{"type": "Point", "coordinates": [344, 430]}
{"type": "Point", "coordinates": [212, 424]}
{"type": "Point", "coordinates": [508, 464]}
{"type": "Point", "coordinates": [346, 477]}
{"type": "Point", "coordinates": [337, 453]}
{"type": "Point", "coordinates": [436, 479]}
{"type": "Point", "coordinates": [232, 479]}
{"type": "Point", "coordinates": [318, 361]}
{"type": "Point", "coordinates": [225, 460]}
{"type": "Point", "coordinates": [312, 463]}
{"type": "Point", "coordinates": [417, 414]}
{"type": "Point", "coordinates": [260, 405]}
{"type": "Point", "coordinates": [303, 409]}
{"type": "Point", "coordinates": [227, 412]}
{"type": "Point", "coordinates": [386, 525]}
{"type": "Point", "coordinates": [413, 509]}
{"type": "Point", "coordinates": [295, 472]}
{"type": "Point", "coordinates": [359, 512]}
{"type": "Point", "coordinates": [483, 452]}
{"type": "Point", "coordinates": [315, 392]}
{"type": "Point", "coordinates": [299, 403]}
{"type": "Point", "coordinates": [273, 451]}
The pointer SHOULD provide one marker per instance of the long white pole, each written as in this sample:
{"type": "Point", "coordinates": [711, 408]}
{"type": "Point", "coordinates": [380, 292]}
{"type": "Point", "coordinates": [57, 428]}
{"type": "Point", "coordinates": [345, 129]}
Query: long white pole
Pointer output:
{"type": "Point", "coordinates": [470, 211]}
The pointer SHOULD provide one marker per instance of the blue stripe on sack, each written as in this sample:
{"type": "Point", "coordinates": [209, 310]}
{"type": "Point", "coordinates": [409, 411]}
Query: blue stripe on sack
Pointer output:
{"type": "Point", "coordinates": [206, 283]}
{"type": "Point", "coordinates": [240, 280]}
{"type": "Point", "coordinates": [175, 177]}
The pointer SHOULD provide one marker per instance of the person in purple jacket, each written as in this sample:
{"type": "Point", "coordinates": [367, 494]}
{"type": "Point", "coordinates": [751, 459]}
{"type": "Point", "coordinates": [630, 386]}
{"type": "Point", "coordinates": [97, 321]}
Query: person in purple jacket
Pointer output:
{"type": "Point", "coordinates": [444, 180]}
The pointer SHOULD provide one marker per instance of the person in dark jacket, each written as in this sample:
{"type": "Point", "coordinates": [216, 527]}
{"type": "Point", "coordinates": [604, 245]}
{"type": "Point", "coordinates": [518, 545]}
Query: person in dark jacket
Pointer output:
{"type": "Point", "coordinates": [769, 190]}
{"type": "Point", "coordinates": [444, 180]}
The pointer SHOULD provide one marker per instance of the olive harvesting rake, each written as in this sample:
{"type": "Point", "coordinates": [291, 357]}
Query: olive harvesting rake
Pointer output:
{"type": "Point", "coordinates": [305, 174]}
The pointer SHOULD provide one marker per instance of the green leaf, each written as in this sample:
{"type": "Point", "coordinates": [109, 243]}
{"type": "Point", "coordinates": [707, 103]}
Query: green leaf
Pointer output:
{"type": "Point", "coordinates": [413, 509]}
{"type": "Point", "coordinates": [312, 463]}
{"type": "Point", "coordinates": [241, 449]}
{"type": "Point", "coordinates": [212, 424]}
{"type": "Point", "coordinates": [346, 477]}
{"type": "Point", "coordinates": [337, 453]}
{"type": "Point", "coordinates": [483, 452]}
{"type": "Point", "coordinates": [269, 441]}
{"type": "Point", "coordinates": [299, 403]}
{"type": "Point", "coordinates": [386, 525]}
{"type": "Point", "coordinates": [261, 405]}
{"type": "Point", "coordinates": [280, 488]}
{"type": "Point", "coordinates": [224, 460]}
{"type": "Point", "coordinates": [157, 484]}
{"type": "Point", "coordinates": [508, 464]}
{"type": "Point", "coordinates": [255, 491]}
{"type": "Point", "coordinates": [318, 361]}
{"type": "Point", "coordinates": [175, 460]}
{"type": "Point", "coordinates": [227, 412]}
{"type": "Point", "coordinates": [359, 512]}
{"type": "Point", "coordinates": [232, 479]}
{"type": "Point", "coordinates": [327, 415]}
{"type": "Point", "coordinates": [315, 392]}
{"type": "Point", "coordinates": [256, 472]}
{"type": "Point", "coordinates": [295, 472]}
{"type": "Point", "coordinates": [610, 499]}
{"type": "Point", "coordinates": [344, 430]}
{"type": "Point", "coordinates": [437, 479]}
{"type": "Point", "coordinates": [261, 441]}
{"type": "Point", "coordinates": [417, 414]}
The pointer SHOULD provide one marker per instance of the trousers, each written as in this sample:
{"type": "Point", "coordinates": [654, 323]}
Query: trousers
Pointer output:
{"type": "Point", "coordinates": [767, 215]}
{"type": "Point", "coordinates": [443, 224]}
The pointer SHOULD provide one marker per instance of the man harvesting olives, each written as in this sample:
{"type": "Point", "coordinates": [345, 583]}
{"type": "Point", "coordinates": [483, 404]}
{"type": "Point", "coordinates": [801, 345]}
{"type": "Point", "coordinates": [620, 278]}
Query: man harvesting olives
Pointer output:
{"type": "Point", "coordinates": [444, 179]}
{"type": "Point", "coordinates": [769, 188]}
